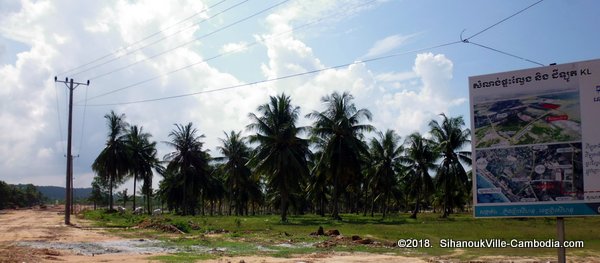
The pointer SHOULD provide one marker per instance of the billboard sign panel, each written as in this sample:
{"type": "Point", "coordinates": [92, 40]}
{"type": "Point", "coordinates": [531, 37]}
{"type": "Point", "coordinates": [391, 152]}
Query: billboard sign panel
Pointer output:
{"type": "Point", "coordinates": [536, 141]}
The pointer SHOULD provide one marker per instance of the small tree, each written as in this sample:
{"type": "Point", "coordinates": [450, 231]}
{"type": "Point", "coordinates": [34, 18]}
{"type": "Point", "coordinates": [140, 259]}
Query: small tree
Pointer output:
{"type": "Point", "coordinates": [99, 194]}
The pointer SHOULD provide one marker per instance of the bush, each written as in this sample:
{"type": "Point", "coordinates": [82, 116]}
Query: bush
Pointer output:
{"type": "Point", "coordinates": [182, 225]}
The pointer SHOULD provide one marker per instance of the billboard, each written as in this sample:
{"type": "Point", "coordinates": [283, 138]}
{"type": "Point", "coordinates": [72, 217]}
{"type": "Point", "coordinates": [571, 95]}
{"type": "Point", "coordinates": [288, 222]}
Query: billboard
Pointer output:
{"type": "Point", "coordinates": [536, 141]}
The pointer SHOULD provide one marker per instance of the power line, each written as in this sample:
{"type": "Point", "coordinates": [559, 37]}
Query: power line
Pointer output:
{"type": "Point", "coordinates": [505, 53]}
{"type": "Point", "coordinates": [468, 39]}
{"type": "Point", "coordinates": [275, 79]}
{"type": "Point", "coordinates": [115, 52]}
{"type": "Point", "coordinates": [83, 122]}
{"type": "Point", "coordinates": [159, 40]}
{"type": "Point", "coordinates": [59, 120]}
{"type": "Point", "coordinates": [316, 21]}
{"type": "Point", "coordinates": [499, 22]}
{"type": "Point", "coordinates": [189, 42]}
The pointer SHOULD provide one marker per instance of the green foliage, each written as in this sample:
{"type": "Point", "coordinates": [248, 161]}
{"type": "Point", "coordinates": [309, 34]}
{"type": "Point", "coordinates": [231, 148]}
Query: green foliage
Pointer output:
{"type": "Point", "coordinates": [281, 156]}
{"type": "Point", "coordinates": [112, 162]}
{"type": "Point", "coordinates": [241, 186]}
{"type": "Point", "coordinates": [184, 257]}
{"type": "Point", "coordinates": [340, 130]}
{"type": "Point", "coordinates": [141, 160]}
{"type": "Point", "coordinates": [182, 225]}
{"type": "Point", "coordinates": [420, 158]}
{"type": "Point", "coordinates": [345, 173]}
{"type": "Point", "coordinates": [452, 180]}
{"type": "Point", "coordinates": [187, 172]}
{"type": "Point", "coordinates": [268, 233]}
{"type": "Point", "coordinates": [99, 194]}
{"type": "Point", "coordinates": [19, 196]}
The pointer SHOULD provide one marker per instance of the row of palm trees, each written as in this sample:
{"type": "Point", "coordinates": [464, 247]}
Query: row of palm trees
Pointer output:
{"type": "Point", "coordinates": [128, 153]}
{"type": "Point", "coordinates": [332, 168]}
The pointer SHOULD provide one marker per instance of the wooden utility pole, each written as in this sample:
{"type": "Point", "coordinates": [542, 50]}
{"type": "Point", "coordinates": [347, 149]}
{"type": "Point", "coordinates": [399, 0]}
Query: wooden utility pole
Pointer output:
{"type": "Point", "coordinates": [69, 183]}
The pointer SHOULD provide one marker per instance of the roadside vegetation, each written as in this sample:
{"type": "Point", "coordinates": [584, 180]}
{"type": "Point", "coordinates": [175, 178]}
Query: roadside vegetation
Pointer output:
{"type": "Point", "coordinates": [16, 196]}
{"type": "Point", "coordinates": [339, 164]}
{"type": "Point", "coordinates": [205, 237]}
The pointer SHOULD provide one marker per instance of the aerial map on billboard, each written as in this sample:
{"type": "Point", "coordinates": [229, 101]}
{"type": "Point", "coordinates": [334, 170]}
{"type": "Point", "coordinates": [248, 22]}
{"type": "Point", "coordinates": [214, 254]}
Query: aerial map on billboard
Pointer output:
{"type": "Point", "coordinates": [536, 141]}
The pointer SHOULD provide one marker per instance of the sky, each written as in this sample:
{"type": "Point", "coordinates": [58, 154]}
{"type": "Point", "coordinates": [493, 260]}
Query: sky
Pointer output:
{"type": "Point", "coordinates": [230, 52]}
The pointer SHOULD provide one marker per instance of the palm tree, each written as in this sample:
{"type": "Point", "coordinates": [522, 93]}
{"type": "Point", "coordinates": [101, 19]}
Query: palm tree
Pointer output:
{"type": "Point", "coordinates": [420, 158]}
{"type": "Point", "coordinates": [281, 155]}
{"type": "Point", "coordinates": [214, 190]}
{"type": "Point", "coordinates": [237, 174]}
{"type": "Point", "coordinates": [112, 162]}
{"type": "Point", "coordinates": [317, 188]}
{"type": "Point", "coordinates": [142, 159]}
{"type": "Point", "coordinates": [385, 154]}
{"type": "Point", "coordinates": [339, 126]}
{"type": "Point", "coordinates": [450, 139]}
{"type": "Point", "coordinates": [187, 167]}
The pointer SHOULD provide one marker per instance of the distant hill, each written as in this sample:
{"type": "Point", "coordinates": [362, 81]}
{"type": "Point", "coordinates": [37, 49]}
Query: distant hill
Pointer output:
{"type": "Point", "coordinates": [58, 193]}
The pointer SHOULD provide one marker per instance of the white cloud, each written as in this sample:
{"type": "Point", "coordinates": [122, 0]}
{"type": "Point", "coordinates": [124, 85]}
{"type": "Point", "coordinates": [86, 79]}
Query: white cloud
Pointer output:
{"type": "Point", "coordinates": [396, 76]}
{"type": "Point", "coordinates": [387, 44]}
{"type": "Point", "coordinates": [234, 47]}
{"type": "Point", "coordinates": [411, 110]}
{"type": "Point", "coordinates": [2, 51]}
{"type": "Point", "coordinates": [32, 149]}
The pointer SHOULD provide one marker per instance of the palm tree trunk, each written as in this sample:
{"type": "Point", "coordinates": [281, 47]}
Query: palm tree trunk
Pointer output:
{"type": "Point", "coordinates": [134, 187]}
{"type": "Point", "coordinates": [372, 204]}
{"type": "Point", "coordinates": [446, 190]}
{"type": "Point", "coordinates": [322, 206]}
{"type": "Point", "coordinates": [414, 213]}
{"type": "Point", "coordinates": [385, 205]}
{"type": "Point", "coordinates": [335, 214]}
{"type": "Point", "coordinates": [365, 207]}
{"type": "Point", "coordinates": [148, 202]}
{"type": "Point", "coordinates": [284, 206]}
{"type": "Point", "coordinates": [111, 193]}
{"type": "Point", "coordinates": [202, 202]}
{"type": "Point", "coordinates": [184, 197]}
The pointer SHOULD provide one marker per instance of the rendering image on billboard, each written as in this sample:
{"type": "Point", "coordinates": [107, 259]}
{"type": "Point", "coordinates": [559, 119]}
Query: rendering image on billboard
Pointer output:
{"type": "Point", "coordinates": [536, 141]}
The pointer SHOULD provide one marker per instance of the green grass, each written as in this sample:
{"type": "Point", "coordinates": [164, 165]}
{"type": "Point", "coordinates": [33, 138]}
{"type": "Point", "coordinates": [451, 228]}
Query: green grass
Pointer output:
{"type": "Point", "coordinates": [248, 232]}
{"type": "Point", "coordinates": [184, 257]}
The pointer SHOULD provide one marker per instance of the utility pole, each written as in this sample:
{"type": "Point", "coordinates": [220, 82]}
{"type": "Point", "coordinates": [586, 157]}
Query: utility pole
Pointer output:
{"type": "Point", "coordinates": [69, 183]}
{"type": "Point", "coordinates": [72, 188]}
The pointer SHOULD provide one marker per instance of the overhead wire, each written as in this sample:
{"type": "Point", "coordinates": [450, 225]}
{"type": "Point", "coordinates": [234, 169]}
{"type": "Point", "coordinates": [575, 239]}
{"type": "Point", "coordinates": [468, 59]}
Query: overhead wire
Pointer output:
{"type": "Point", "coordinates": [275, 79]}
{"type": "Point", "coordinates": [466, 40]}
{"type": "Point", "coordinates": [506, 53]}
{"type": "Point", "coordinates": [158, 40]}
{"type": "Point", "coordinates": [117, 51]}
{"type": "Point", "coordinates": [59, 120]}
{"type": "Point", "coordinates": [243, 47]}
{"type": "Point", "coordinates": [501, 21]}
{"type": "Point", "coordinates": [469, 41]}
{"type": "Point", "coordinates": [189, 42]}
{"type": "Point", "coordinates": [83, 122]}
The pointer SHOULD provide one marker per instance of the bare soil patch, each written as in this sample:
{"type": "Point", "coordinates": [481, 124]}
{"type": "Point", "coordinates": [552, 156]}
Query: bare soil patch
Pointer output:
{"type": "Point", "coordinates": [40, 235]}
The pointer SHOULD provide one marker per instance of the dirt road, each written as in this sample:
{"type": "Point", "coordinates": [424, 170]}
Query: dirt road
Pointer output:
{"type": "Point", "coordinates": [21, 230]}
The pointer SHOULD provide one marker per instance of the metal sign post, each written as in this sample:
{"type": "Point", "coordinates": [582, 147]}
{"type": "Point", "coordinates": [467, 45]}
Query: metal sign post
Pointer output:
{"type": "Point", "coordinates": [560, 232]}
